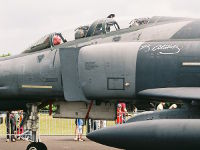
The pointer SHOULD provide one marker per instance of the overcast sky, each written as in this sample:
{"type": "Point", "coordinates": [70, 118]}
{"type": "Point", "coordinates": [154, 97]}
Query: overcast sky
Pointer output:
{"type": "Point", "coordinates": [22, 22]}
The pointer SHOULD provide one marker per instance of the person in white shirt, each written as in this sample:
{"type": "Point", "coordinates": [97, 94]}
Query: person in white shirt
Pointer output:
{"type": "Point", "coordinates": [161, 106]}
{"type": "Point", "coordinates": [173, 106]}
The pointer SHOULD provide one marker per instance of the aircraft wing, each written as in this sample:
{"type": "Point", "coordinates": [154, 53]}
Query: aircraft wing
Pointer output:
{"type": "Point", "coordinates": [176, 93]}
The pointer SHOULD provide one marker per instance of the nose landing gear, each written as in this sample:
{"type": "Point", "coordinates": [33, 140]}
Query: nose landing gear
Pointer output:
{"type": "Point", "coordinates": [32, 123]}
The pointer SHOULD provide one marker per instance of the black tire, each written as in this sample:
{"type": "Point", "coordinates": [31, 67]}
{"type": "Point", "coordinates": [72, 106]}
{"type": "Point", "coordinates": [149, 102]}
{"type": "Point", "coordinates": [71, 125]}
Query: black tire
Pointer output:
{"type": "Point", "coordinates": [36, 146]}
{"type": "Point", "coordinates": [42, 146]}
{"type": "Point", "coordinates": [32, 146]}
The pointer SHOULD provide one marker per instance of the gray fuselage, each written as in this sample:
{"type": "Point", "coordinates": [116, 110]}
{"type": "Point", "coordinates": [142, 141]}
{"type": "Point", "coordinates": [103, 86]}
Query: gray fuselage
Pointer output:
{"type": "Point", "coordinates": [118, 69]}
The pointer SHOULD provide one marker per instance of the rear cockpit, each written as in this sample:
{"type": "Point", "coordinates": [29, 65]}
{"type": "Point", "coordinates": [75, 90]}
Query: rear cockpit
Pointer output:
{"type": "Point", "coordinates": [98, 27]}
{"type": "Point", "coordinates": [103, 26]}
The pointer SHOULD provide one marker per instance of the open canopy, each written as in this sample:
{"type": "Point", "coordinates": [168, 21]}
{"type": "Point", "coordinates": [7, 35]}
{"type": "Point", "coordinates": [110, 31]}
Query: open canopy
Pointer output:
{"type": "Point", "coordinates": [47, 41]}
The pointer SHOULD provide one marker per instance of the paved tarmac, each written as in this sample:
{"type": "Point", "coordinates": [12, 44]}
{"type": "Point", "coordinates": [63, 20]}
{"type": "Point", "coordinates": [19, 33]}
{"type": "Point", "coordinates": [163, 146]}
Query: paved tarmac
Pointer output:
{"type": "Point", "coordinates": [56, 143]}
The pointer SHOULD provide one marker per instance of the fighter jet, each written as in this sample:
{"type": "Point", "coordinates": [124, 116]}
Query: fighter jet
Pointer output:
{"type": "Point", "coordinates": [156, 59]}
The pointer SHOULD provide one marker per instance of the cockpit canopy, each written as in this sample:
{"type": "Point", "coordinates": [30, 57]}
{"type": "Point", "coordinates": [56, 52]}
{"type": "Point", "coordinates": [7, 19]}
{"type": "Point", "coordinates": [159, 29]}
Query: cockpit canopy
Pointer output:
{"type": "Point", "coordinates": [81, 31]}
{"type": "Point", "coordinates": [49, 40]}
{"type": "Point", "coordinates": [102, 27]}
{"type": "Point", "coordinates": [99, 27]}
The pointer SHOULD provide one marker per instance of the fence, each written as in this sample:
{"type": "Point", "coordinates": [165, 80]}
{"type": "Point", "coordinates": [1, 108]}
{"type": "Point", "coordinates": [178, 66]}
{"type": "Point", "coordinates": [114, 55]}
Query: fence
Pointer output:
{"type": "Point", "coordinates": [52, 126]}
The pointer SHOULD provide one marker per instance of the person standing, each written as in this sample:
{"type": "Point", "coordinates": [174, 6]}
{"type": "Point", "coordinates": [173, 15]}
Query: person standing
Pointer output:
{"type": "Point", "coordinates": [173, 106]}
{"type": "Point", "coordinates": [161, 106]}
{"type": "Point", "coordinates": [102, 124]}
{"type": "Point", "coordinates": [80, 129]}
{"type": "Point", "coordinates": [119, 114]}
{"type": "Point", "coordinates": [12, 125]}
{"type": "Point", "coordinates": [19, 124]}
{"type": "Point", "coordinates": [124, 111]}
{"type": "Point", "coordinates": [76, 130]}
{"type": "Point", "coordinates": [8, 126]}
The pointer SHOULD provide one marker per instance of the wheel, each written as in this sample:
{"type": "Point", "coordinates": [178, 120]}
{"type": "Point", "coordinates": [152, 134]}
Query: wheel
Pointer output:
{"type": "Point", "coordinates": [42, 146]}
{"type": "Point", "coordinates": [36, 146]}
{"type": "Point", "coordinates": [32, 146]}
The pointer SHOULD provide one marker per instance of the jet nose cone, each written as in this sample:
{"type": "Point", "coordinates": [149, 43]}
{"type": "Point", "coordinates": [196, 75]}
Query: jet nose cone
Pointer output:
{"type": "Point", "coordinates": [168, 134]}
{"type": "Point", "coordinates": [99, 136]}
{"type": "Point", "coordinates": [109, 136]}
{"type": "Point", "coordinates": [96, 135]}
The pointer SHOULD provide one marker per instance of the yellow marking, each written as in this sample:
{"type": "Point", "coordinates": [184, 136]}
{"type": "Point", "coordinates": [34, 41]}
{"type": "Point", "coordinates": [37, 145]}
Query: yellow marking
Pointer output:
{"type": "Point", "coordinates": [36, 87]}
{"type": "Point", "coordinates": [192, 64]}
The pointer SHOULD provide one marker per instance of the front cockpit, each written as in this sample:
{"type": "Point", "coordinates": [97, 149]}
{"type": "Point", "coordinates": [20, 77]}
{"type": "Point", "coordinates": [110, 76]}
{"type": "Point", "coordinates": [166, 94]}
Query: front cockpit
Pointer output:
{"type": "Point", "coordinates": [48, 41]}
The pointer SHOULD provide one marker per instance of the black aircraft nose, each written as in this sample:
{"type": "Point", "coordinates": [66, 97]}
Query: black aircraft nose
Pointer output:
{"type": "Point", "coordinates": [101, 136]}
{"type": "Point", "coordinates": [110, 136]}
{"type": "Point", "coordinates": [173, 134]}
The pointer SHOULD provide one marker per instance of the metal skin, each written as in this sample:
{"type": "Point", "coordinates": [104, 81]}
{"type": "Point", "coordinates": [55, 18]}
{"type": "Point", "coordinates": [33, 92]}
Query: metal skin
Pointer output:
{"type": "Point", "coordinates": [154, 62]}
{"type": "Point", "coordinates": [167, 129]}
{"type": "Point", "coordinates": [153, 134]}
{"type": "Point", "coordinates": [184, 113]}
{"type": "Point", "coordinates": [104, 72]}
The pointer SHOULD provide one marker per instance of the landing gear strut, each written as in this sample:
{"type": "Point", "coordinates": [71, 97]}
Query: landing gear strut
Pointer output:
{"type": "Point", "coordinates": [32, 125]}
